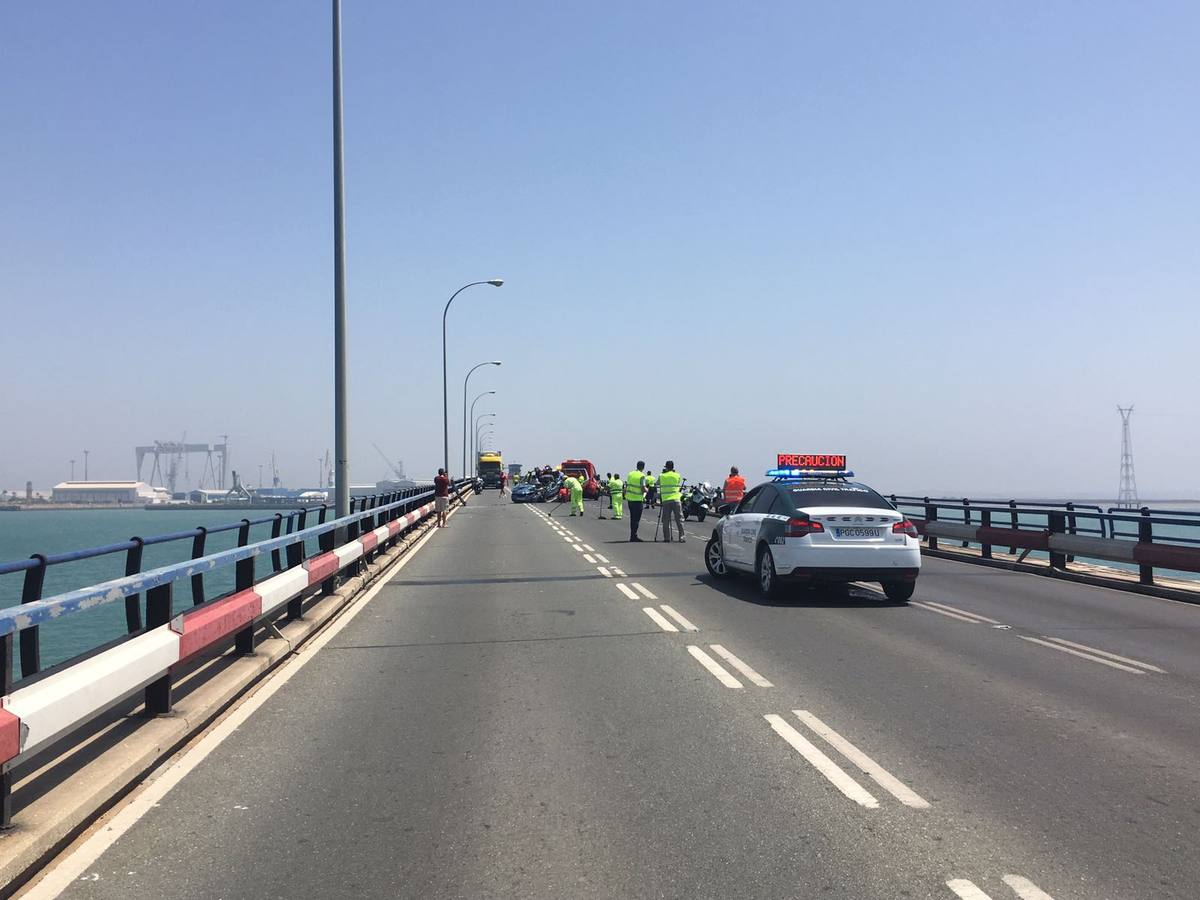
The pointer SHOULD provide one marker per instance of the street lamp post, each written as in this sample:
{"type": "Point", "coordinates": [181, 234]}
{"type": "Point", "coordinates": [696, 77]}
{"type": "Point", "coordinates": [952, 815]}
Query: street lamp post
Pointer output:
{"type": "Point", "coordinates": [494, 362]}
{"type": "Point", "coordinates": [473, 402]}
{"type": "Point", "coordinates": [341, 447]}
{"type": "Point", "coordinates": [494, 282]}
{"type": "Point", "coordinates": [486, 434]}
{"type": "Point", "coordinates": [479, 423]}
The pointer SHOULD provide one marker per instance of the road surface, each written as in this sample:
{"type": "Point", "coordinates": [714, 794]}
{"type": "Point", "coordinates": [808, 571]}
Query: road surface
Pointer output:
{"type": "Point", "coordinates": [524, 711]}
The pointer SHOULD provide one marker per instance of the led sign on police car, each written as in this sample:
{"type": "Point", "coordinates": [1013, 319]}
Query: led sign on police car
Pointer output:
{"type": "Point", "coordinates": [811, 461]}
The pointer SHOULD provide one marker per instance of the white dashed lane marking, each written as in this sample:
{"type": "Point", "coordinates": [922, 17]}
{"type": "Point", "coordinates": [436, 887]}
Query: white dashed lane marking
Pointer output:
{"type": "Point", "coordinates": [1081, 655]}
{"type": "Point", "coordinates": [715, 668]}
{"type": "Point", "coordinates": [869, 767]}
{"type": "Point", "coordinates": [601, 558]}
{"type": "Point", "coordinates": [684, 623]}
{"type": "Point", "coordinates": [752, 676]}
{"type": "Point", "coordinates": [822, 763]}
{"type": "Point", "coordinates": [658, 619]}
{"type": "Point", "coordinates": [624, 589]}
{"type": "Point", "coordinates": [590, 558]}
{"type": "Point", "coordinates": [649, 595]}
{"type": "Point", "coordinates": [603, 571]}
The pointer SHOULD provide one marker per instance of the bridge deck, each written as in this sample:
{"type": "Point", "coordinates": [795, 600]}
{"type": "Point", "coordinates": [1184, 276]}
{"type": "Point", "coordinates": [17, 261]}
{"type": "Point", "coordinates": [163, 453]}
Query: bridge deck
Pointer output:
{"type": "Point", "coordinates": [501, 720]}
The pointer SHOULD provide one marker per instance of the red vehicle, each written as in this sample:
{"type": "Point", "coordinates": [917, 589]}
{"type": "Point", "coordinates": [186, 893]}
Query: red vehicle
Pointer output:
{"type": "Point", "coordinates": [585, 472]}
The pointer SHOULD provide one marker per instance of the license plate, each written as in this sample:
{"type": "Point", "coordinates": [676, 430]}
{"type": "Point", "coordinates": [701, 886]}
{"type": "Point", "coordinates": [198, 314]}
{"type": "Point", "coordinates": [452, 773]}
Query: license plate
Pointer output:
{"type": "Point", "coordinates": [857, 532]}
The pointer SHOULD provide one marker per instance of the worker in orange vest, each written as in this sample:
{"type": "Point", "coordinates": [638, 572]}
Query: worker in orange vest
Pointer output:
{"type": "Point", "coordinates": [734, 490]}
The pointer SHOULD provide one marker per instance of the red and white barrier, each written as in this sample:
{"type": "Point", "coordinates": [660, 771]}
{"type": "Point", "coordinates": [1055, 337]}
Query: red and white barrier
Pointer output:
{"type": "Point", "coordinates": [33, 716]}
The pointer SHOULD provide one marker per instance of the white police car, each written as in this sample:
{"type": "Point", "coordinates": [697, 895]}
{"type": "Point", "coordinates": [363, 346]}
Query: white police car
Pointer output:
{"type": "Point", "coordinates": [812, 524]}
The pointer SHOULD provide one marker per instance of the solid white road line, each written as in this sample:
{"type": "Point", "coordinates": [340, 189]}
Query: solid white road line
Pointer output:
{"type": "Point", "coordinates": [604, 572]}
{"type": "Point", "coordinates": [1107, 655]}
{"type": "Point", "coordinates": [160, 782]}
{"type": "Point", "coordinates": [658, 619]}
{"type": "Point", "coordinates": [872, 769]}
{"type": "Point", "coordinates": [601, 558]}
{"type": "Point", "coordinates": [966, 889]}
{"type": "Point", "coordinates": [750, 674]}
{"type": "Point", "coordinates": [822, 763]}
{"type": "Point", "coordinates": [942, 612]}
{"type": "Point", "coordinates": [714, 667]}
{"type": "Point", "coordinates": [620, 572]}
{"type": "Point", "coordinates": [687, 626]}
{"type": "Point", "coordinates": [962, 612]}
{"type": "Point", "coordinates": [1025, 889]}
{"type": "Point", "coordinates": [1088, 656]}
{"type": "Point", "coordinates": [649, 595]}
{"type": "Point", "coordinates": [590, 558]}
{"type": "Point", "coordinates": [624, 589]}
{"type": "Point", "coordinates": [589, 548]}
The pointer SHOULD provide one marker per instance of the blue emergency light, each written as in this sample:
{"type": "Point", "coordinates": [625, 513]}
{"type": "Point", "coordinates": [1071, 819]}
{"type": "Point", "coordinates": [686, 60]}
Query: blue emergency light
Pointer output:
{"type": "Point", "coordinates": [808, 474]}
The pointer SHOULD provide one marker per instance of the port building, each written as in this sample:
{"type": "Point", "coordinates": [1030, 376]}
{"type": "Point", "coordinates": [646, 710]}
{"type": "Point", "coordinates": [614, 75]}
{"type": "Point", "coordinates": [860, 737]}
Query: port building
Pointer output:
{"type": "Point", "coordinates": [110, 492]}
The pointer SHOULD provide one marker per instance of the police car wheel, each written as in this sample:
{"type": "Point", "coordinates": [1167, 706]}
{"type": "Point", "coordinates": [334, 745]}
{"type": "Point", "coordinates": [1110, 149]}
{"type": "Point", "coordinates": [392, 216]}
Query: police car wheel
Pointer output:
{"type": "Point", "coordinates": [768, 580]}
{"type": "Point", "coordinates": [899, 591]}
{"type": "Point", "coordinates": [714, 558]}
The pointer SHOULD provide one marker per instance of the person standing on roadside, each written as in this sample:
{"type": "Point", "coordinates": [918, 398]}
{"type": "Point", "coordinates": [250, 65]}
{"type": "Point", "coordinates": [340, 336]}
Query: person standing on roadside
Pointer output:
{"type": "Point", "coordinates": [733, 491]}
{"type": "Point", "coordinates": [670, 486]}
{"type": "Point", "coordinates": [441, 497]}
{"type": "Point", "coordinates": [635, 496]}
{"type": "Point", "coordinates": [616, 491]}
{"type": "Point", "coordinates": [503, 482]}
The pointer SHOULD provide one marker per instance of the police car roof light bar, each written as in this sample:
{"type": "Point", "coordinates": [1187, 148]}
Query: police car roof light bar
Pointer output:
{"type": "Point", "coordinates": [809, 474]}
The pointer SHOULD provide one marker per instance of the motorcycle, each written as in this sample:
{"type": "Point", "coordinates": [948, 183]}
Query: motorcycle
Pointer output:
{"type": "Point", "coordinates": [699, 501]}
{"type": "Point", "coordinates": [478, 485]}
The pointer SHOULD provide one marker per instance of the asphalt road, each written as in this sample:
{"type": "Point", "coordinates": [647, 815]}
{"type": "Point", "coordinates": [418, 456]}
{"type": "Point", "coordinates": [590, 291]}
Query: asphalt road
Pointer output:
{"type": "Point", "coordinates": [511, 717]}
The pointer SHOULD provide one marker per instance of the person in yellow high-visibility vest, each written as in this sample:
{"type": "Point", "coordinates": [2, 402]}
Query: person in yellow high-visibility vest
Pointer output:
{"type": "Point", "coordinates": [635, 496]}
{"type": "Point", "coordinates": [616, 490]}
{"type": "Point", "coordinates": [575, 491]}
{"type": "Point", "coordinates": [670, 497]}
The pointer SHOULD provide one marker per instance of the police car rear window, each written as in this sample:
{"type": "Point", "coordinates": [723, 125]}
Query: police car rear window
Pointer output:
{"type": "Point", "coordinates": [849, 494]}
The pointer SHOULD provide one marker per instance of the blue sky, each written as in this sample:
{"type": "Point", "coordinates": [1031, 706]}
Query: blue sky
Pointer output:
{"type": "Point", "coordinates": [944, 238]}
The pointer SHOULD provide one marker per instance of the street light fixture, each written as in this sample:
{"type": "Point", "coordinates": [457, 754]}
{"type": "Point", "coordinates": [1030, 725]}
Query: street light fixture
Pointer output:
{"type": "Point", "coordinates": [479, 423]}
{"type": "Point", "coordinates": [494, 282]}
{"type": "Point", "coordinates": [494, 362]}
{"type": "Point", "coordinates": [474, 421]}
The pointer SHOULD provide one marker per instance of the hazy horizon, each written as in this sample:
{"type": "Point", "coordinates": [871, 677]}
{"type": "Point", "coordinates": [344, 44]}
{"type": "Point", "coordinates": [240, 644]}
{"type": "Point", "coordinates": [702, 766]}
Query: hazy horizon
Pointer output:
{"type": "Point", "coordinates": [944, 240]}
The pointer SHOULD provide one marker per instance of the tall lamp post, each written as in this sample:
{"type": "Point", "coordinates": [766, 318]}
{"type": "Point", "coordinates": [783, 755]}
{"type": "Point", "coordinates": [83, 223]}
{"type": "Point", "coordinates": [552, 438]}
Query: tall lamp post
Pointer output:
{"type": "Point", "coordinates": [341, 447]}
{"type": "Point", "coordinates": [494, 282]}
{"type": "Point", "coordinates": [473, 402]}
{"type": "Point", "coordinates": [486, 434]}
{"type": "Point", "coordinates": [478, 423]}
{"type": "Point", "coordinates": [494, 362]}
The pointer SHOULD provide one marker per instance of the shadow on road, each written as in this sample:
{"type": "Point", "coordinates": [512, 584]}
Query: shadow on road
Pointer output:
{"type": "Point", "coordinates": [825, 596]}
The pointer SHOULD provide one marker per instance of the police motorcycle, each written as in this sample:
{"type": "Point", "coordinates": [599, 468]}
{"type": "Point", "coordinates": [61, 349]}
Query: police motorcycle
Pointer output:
{"type": "Point", "coordinates": [699, 500]}
{"type": "Point", "coordinates": [478, 485]}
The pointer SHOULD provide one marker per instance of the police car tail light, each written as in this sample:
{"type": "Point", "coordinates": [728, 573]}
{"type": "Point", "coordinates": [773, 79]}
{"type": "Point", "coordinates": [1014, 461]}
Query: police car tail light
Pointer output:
{"type": "Point", "coordinates": [905, 527]}
{"type": "Point", "coordinates": [802, 528]}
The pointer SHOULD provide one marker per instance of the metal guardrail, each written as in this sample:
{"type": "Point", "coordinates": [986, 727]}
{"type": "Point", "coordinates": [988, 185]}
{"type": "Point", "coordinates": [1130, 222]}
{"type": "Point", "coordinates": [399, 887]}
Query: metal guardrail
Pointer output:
{"type": "Point", "coordinates": [289, 529]}
{"type": "Point", "coordinates": [1147, 538]}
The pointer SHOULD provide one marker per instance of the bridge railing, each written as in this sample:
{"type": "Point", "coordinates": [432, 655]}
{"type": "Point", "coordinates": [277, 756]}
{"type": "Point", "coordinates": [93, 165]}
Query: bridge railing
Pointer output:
{"type": "Point", "coordinates": [1142, 540]}
{"type": "Point", "coordinates": [44, 704]}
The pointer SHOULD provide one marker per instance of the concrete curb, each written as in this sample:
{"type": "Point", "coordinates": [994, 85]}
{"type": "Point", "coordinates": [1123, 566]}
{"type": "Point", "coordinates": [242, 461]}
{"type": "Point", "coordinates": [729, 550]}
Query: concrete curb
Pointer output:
{"type": "Point", "coordinates": [134, 746]}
